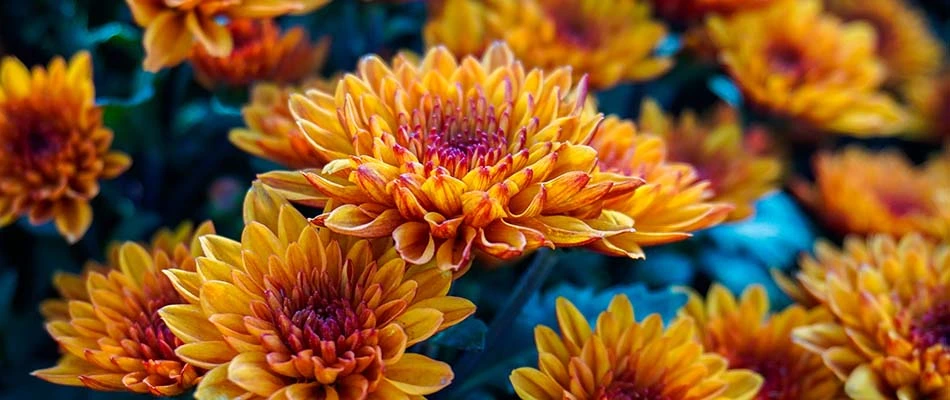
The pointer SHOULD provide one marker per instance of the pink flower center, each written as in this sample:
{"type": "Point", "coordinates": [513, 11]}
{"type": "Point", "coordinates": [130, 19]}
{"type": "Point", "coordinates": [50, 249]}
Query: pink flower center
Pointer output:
{"type": "Point", "coordinates": [933, 327]}
{"type": "Point", "coordinates": [624, 390]}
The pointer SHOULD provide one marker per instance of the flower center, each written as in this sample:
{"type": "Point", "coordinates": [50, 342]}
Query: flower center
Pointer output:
{"type": "Point", "coordinates": [147, 329]}
{"type": "Point", "coordinates": [900, 203]}
{"type": "Point", "coordinates": [781, 382]}
{"type": "Point", "coordinates": [624, 390]}
{"type": "Point", "coordinates": [787, 60]}
{"type": "Point", "coordinates": [933, 327]}
{"type": "Point", "coordinates": [325, 319]}
{"type": "Point", "coordinates": [571, 26]}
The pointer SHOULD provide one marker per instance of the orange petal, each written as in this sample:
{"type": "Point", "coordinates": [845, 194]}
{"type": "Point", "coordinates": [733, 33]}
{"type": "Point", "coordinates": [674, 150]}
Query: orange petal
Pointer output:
{"type": "Point", "coordinates": [73, 218]}
{"type": "Point", "coordinates": [414, 242]}
{"type": "Point", "coordinates": [361, 222]}
{"type": "Point", "coordinates": [167, 41]}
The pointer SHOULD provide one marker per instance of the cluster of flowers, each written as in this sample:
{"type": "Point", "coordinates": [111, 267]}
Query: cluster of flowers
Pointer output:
{"type": "Point", "coordinates": [490, 145]}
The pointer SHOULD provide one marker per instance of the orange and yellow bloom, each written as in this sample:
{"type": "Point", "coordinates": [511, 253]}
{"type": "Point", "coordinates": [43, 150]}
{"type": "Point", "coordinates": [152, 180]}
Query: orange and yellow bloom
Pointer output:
{"type": "Point", "coordinates": [53, 146]}
{"type": "Point", "coordinates": [294, 312]}
{"type": "Point", "coordinates": [624, 359]}
{"type": "Point", "coordinates": [107, 322]}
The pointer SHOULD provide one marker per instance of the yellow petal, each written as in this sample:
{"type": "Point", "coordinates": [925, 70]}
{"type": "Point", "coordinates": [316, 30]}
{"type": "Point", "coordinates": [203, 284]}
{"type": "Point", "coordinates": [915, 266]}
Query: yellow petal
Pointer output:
{"type": "Point", "coordinates": [73, 218]}
{"type": "Point", "coordinates": [419, 375]}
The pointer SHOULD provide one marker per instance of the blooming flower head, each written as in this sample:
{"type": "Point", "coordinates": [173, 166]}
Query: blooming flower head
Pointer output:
{"type": "Point", "coordinates": [693, 10]}
{"type": "Point", "coordinates": [625, 359]}
{"type": "Point", "coordinates": [53, 146]}
{"type": "Point", "coordinates": [738, 172]}
{"type": "Point", "coordinates": [173, 27]}
{"type": "Point", "coordinates": [863, 193]}
{"type": "Point", "coordinates": [107, 322]}
{"type": "Point", "coordinates": [611, 41]}
{"type": "Point", "coordinates": [260, 53]}
{"type": "Point", "coordinates": [792, 60]}
{"type": "Point", "coordinates": [745, 334]}
{"type": "Point", "coordinates": [294, 312]}
{"type": "Point", "coordinates": [891, 306]}
{"type": "Point", "coordinates": [449, 157]}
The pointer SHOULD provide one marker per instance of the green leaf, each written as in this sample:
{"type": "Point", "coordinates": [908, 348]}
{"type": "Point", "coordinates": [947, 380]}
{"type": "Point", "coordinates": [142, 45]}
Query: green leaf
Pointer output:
{"type": "Point", "coordinates": [467, 335]}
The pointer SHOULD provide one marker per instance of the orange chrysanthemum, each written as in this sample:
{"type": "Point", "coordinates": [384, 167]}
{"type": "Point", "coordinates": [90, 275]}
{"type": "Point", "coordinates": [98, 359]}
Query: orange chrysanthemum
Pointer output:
{"type": "Point", "coordinates": [738, 172]}
{"type": "Point", "coordinates": [864, 193]}
{"type": "Point", "coordinates": [891, 304]}
{"type": "Point", "coordinates": [107, 322]}
{"type": "Point", "coordinates": [173, 27]}
{"type": "Point", "coordinates": [450, 157]}
{"type": "Point", "coordinates": [624, 359]}
{"type": "Point", "coordinates": [686, 11]}
{"type": "Point", "coordinates": [794, 61]}
{"type": "Point", "coordinates": [260, 53]}
{"type": "Point", "coordinates": [53, 146]}
{"type": "Point", "coordinates": [904, 40]}
{"type": "Point", "coordinates": [611, 41]}
{"type": "Point", "coordinates": [929, 98]}
{"type": "Point", "coordinates": [748, 337]}
{"type": "Point", "coordinates": [292, 312]}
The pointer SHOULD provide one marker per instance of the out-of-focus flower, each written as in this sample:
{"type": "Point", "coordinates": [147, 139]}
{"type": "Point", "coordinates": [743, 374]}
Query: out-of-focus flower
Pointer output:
{"type": "Point", "coordinates": [172, 28]}
{"type": "Point", "coordinates": [794, 61]}
{"type": "Point", "coordinates": [686, 11]}
{"type": "Point", "coordinates": [904, 41]}
{"type": "Point", "coordinates": [624, 359]}
{"type": "Point", "coordinates": [929, 99]}
{"type": "Point", "coordinates": [892, 315]}
{"type": "Point", "coordinates": [53, 146]}
{"type": "Point", "coordinates": [748, 337]}
{"type": "Point", "coordinates": [260, 53]}
{"type": "Point", "coordinates": [864, 193]}
{"type": "Point", "coordinates": [737, 169]}
{"type": "Point", "coordinates": [292, 311]}
{"type": "Point", "coordinates": [107, 322]}
{"type": "Point", "coordinates": [611, 41]}
{"type": "Point", "coordinates": [450, 157]}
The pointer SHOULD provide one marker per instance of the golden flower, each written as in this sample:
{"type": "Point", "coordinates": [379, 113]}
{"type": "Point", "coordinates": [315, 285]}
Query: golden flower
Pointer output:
{"type": "Point", "coordinates": [624, 359]}
{"type": "Point", "coordinates": [737, 171]}
{"type": "Point", "coordinates": [260, 53]}
{"type": "Point", "coordinates": [610, 41]}
{"type": "Point", "coordinates": [864, 193]}
{"type": "Point", "coordinates": [929, 98]}
{"type": "Point", "coordinates": [173, 27]}
{"type": "Point", "coordinates": [794, 61]}
{"type": "Point", "coordinates": [745, 334]}
{"type": "Point", "coordinates": [107, 322]}
{"type": "Point", "coordinates": [292, 312]}
{"type": "Point", "coordinates": [891, 305]}
{"type": "Point", "coordinates": [53, 146]}
{"type": "Point", "coordinates": [449, 157]}
{"type": "Point", "coordinates": [686, 11]}
{"type": "Point", "coordinates": [904, 41]}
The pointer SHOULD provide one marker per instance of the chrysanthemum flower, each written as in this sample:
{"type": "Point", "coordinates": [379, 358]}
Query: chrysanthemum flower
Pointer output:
{"type": "Point", "coordinates": [611, 41]}
{"type": "Point", "coordinates": [260, 53]}
{"type": "Point", "coordinates": [863, 193]}
{"type": "Point", "coordinates": [929, 98]}
{"type": "Point", "coordinates": [624, 359]}
{"type": "Point", "coordinates": [292, 312]}
{"type": "Point", "coordinates": [686, 11]}
{"type": "Point", "coordinates": [450, 157]}
{"type": "Point", "coordinates": [891, 306]}
{"type": "Point", "coordinates": [737, 171]}
{"type": "Point", "coordinates": [748, 337]}
{"type": "Point", "coordinates": [904, 41]}
{"type": "Point", "coordinates": [53, 146]}
{"type": "Point", "coordinates": [172, 28]}
{"type": "Point", "coordinates": [794, 61]}
{"type": "Point", "coordinates": [107, 322]}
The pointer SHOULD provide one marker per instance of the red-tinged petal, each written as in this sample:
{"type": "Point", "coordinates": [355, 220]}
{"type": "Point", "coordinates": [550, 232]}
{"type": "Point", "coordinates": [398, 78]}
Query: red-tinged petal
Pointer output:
{"type": "Point", "coordinates": [441, 227]}
{"type": "Point", "coordinates": [456, 254]}
{"type": "Point", "coordinates": [414, 242]}
{"type": "Point", "coordinates": [295, 186]}
{"type": "Point", "coordinates": [361, 221]}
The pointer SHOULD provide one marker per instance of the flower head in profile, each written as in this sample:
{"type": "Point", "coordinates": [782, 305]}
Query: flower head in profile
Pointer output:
{"type": "Point", "coordinates": [794, 61]}
{"type": "Point", "coordinates": [738, 171]}
{"type": "Point", "coordinates": [260, 53]}
{"type": "Point", "coordinates": [624, 359]}
{"type": "Point", "coordinates": [450, 157]}
{"type": "Point", "coordinates": [688, 11]}
{"type": "Point", "coordinates": [172, 28]}
{"type": "Point", "coordinates": [891, 307]}
{"type": "Point", "coordinates": [742, 331]}
{"type": "Point", "coordinates": [107, 322]}
{"type": "Point", "coordinates": [295, 312]}
{"type": "Point", "coordinates": [53, 146]}
{"type": "Point", "coordinates": [861, 192]}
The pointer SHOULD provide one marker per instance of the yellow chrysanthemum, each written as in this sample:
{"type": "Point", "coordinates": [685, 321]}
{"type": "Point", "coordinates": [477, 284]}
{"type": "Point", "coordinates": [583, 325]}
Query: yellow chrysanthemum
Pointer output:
{"type": "Point", "coordinates": [904, 40]}
{"type": "Point", "coordinates": [260, 53]}
{"type": "Point", "coordinates": [107, 322]}
{"type": "Point", "coordinates": [450, 157]}
{"type": "Point", "coordinates": [795, 61]}
{"type": "Point", "coordinates": [292, 312]}
{"type": "Point", "coordinates": [611, 41]}
{"type": "Point", "coordinates": [891, 305]}
{"type": "Point", "coordinates": [748, 337]}
{"type": "Point", "coordinates": [737, 171]}
{"type": "Point", "coordinates": [863, 193]}
{"type": "Point", "coordinates": [929, 98]}
{"type": "Point", "coordinates": [173, 27]}
{"type": "Point", "coordinates": [624, 359]}
{"type": "Point", "coordinates": [53, 146]}
{"type": "Point", "coordinates": [687, 11]}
